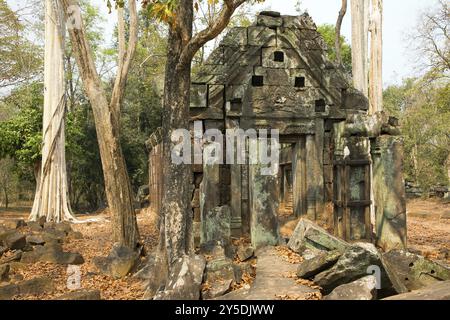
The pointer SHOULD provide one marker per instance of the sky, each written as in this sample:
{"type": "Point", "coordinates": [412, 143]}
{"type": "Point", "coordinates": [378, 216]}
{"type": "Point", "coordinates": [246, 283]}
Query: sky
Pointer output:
{"type": "Point", "coordinates": [400, 16]}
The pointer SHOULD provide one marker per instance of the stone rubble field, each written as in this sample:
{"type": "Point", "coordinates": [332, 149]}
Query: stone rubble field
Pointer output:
{"type": "Point", "coordinates": [311, 265]}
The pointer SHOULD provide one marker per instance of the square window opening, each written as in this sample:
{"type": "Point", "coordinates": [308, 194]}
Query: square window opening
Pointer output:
{"type": "Point", "coordinates": [300, 82]}
{"type": "Point", "coordinates": [320, 105]}
{"type": "Point", "coordinates": [257, 81]}
{"type": "Point", "coordinates": [278, 56]}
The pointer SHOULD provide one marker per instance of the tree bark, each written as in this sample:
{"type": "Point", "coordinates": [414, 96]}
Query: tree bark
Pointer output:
{"type": "Point", "coordinates": [376, 58]}
{"type": "Point", "coordinates": [177, 187]}
{"type": "Point", "coordinates": [338, 43]}
{"type": "Point", "coordinates": [117, 183]}
{"type": "Point", "coordinates": [176, 215]}
{"type": "Point", "coordinates": [52, 197]}
{"type": "Point", "coordinates": [360, 28]}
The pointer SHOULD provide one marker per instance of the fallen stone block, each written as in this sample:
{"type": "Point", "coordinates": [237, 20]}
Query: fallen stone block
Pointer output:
{"type": "Point", "coordinates": [408, 271]}
{"type": "Point", "coordinates": [34, 226]}
{"type": "Point", "coordinates": [52, 253]}
{"type": "Point", "coordinates": [309, 235]}
{"type": "Point", "coordinates": [15, 241]}
{"type": "Point", "coordinates": [8, 291]}
{"type": "Point", "coordinates": [352, 265]}
{"type": "Point", "coordinates": [14, 257]}
{"type": "Point", "coordinates": [36, 286]}
{"type": "Point", "coordinates": [29, 287]}
{"type": "Point", "coordinates": [437, 291]}
{"type": "Point", "coordinates": [219, 270]}
{"type": "Point", "coordinates": [154, 275]}
{"type": "Point", "coordinates": [54, 233]}
{"type": "Point", "coordinates": [118, 263]}
{"type": "Point", "coordinates": [362, 289]}
{"type": "Point", "coordinates": [185, 280]}
{"type": "Point", "coordinates": [35, 240]}
{"type": "Point", "coordinates": [311, 253]}
{"type": "Point", "coordinates": [238, 273]}
{"type": "Point", "coordinates": [64, 227]}
{"type": "Point", "coordinates": [3, 250]}
{"type": "Point", "coordinates": [217, 289]}
{"type": "Point", "coordinates": [60, 257]}
{"type": "Point", "coordinates": [245, 252]}
{"type": "Point", "coordinates": [52, 237]}
{"type": "Point", "coordinates": [81, 295]}
{"type": "Point", "coordinates": [309, 268]}
{"type": "Point", "coordinates": [4, 272]}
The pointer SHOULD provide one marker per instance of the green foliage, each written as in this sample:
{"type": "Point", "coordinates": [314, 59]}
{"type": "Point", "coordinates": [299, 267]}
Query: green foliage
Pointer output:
{"type": "Point", "coordinates": [83, 159]}
{"type": "Point", "coordinates": [21, 135]}
{"type": "Point", "coordinates": [328, 33]}
{"type": "Point", "coordinates": [20, 59]}
{"type": "Point", "coordinates": [424, 110]}
{"type": "Point", "coordinates": [397, 98]}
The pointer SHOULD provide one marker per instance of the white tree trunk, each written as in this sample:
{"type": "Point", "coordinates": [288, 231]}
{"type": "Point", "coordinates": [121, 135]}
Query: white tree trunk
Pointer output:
{"type": "Point", "coordinates": [51, 200]}
{"type": "Point", "coordinates": [376, 58]}
{"type": "Point", "coordinates": [360, 29]}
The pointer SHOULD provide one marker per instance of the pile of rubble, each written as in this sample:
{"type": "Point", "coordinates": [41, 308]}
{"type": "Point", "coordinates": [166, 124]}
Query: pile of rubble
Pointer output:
{"type": "Point", "coordinates": [359, 271]}
{"type": "Point", "coordinates": [28, 243]}
{"type": "Point", "coordinates": [219, 268]}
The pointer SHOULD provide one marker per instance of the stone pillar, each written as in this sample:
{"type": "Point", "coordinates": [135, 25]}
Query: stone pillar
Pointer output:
{"type": "Point", "coordinates": [209, 199]}
{"type": "Point", "coordinates": [358, 223]}
{"type": "Point", "coordinates": [311, 177]}
{"type": "Point", "coordinates": [319, 171]}
{"type": "Point", "coordinates": [389, 193]}
{"type": "Point", "coordinates": [236, 200]}
{"type": "Point", "coordinates": [299, 178]}
{"type": "Point", "coordinates": [264, 201]}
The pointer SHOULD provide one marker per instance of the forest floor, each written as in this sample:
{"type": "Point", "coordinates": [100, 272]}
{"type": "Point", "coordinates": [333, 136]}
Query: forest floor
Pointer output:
{"type": "Point", "coordinates": [428, 234]}
{"type": "Point", "coordinates": [96, 242]}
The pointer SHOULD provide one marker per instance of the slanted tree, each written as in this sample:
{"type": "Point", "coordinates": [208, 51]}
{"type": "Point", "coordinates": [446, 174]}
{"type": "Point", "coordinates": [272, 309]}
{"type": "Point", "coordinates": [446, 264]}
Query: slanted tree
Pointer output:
{"type": "Point", "coordinates": [176, 234]}
{"type": "Point", "coordinates": [338, 42]}
{"type": "Point", "coordinates": [107, 114]}
{"type": "Point", "coordinates": [52, 196]}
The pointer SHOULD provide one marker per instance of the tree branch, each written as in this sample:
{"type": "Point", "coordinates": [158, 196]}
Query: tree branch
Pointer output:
{"type": "Point", "coordinates": [216, 27]}
{"type": "Point", "coordinates": [125, 55]}
{"type": "Point", "coordinates": [341, 16]}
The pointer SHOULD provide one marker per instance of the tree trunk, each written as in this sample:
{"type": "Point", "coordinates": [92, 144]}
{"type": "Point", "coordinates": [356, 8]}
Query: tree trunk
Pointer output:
{"type": "Point", "coordinates": [117, 183]}
{"type": "Point", "coordinates": [52, 197]}
{"type": "Point", "coordinates": [360, 28]}
{"type": "Point", "coordinates": [376, 58]}
{"type": "Point", "coordinates": [176, 209]}
{"type": "Point", "coordinates": [338, 43]}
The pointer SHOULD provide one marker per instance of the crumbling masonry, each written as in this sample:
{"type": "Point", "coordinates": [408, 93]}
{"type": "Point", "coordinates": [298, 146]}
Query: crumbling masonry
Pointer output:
{"type": "Point", "coordinates": [275, 75]}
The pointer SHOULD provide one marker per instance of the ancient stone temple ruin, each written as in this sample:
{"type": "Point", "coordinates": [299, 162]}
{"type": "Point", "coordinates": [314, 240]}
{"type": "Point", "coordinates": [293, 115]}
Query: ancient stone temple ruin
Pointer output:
{"type": "Point", "coordinates": [275, 75]}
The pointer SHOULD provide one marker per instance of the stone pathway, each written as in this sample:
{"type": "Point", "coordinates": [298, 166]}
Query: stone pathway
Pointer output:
{"type": "Point", "coordinates": [272, 280]}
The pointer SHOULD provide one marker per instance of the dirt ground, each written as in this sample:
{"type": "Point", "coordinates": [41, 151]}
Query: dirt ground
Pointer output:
{"type": "Point", "coordinates": [428, 234]}
{"type": "Point", "coordinates": [96, 242]}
